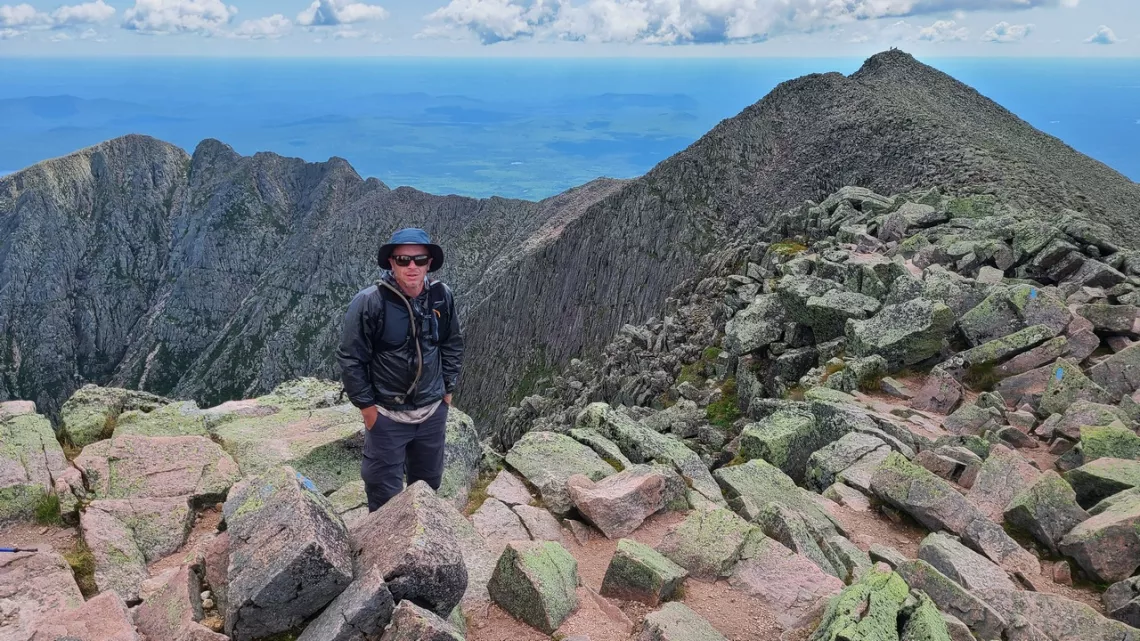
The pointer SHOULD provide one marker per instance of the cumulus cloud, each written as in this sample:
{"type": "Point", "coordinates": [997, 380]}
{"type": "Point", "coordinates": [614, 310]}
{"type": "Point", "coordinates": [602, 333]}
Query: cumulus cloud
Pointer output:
{"type": "Point", "coordinates": [22, 15]}
{"type": "Point", "coordinates": [178, 16]}
{"type": "Point", "coordinates": [17, 20]}
{"type": "Point", "coordinates": [82, 14]}
{"type": "Point", "coordinates": [943, 31]}
{"type": "Point", "coordinates": [1006, 32]}
{"type": "Point", "coordinates": [267, 28]}
{"type": "Point", "coordinates": [330, 13]}
{"type": "Point", "coordinates": [684, 21]}
{"type": "Point", "coordinates": [1103, 36]}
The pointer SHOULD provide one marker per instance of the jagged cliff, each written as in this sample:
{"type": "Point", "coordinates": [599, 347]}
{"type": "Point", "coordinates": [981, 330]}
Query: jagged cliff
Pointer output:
{"type": "Point", "coordinates": [217, 276]}
{"type": "Point", "coordinates": [209, 276]}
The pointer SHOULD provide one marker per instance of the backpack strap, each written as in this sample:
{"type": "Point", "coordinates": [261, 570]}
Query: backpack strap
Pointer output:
{"type": "Point", "coordinates": [381, 283]}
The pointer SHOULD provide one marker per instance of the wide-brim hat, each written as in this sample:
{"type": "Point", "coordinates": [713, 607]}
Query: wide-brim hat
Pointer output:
{"type": "Point", "coordinates": [410, 236]}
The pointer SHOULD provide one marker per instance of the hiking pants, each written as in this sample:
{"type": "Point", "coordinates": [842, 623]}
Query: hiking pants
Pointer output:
{"type": "Point", "coordinates": [393, 450]}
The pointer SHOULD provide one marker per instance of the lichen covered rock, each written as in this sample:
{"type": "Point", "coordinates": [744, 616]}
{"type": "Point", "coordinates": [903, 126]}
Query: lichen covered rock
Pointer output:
{"type": "Point", "coordinates": [128, 467]}
{"type": "Point", "coordinates": [30, 462]}
{"type": "Point", "coordinates": [904, 334]}
{"type": "Point", "coordinates": [124, 535]}
{"type": "Point", "coordinates": [547, 460]}
{"type": "Point", "coordinates": [637, 572]}
{"type": "Point", "coordinates": [1107, 545]}
{"type": "Point", "coordinates": [537, 583]}
{"type": "Point", "coordinates": [707, 543]}
{"type": "Point", "coordinates": [1047, 509]}
{"type": "Point", "coordinates": [92, 411]}
{"type": "Point", "coordinates": [324, 444]}
{"type": "Point", "coordinates": [412, 539]}
{"type": "Point", "coordinates": [676, 622]}
{"type": "Point", "coordinates": [868, 609]}
{"type": "Point", "coordinates": [1102, 478]}
{"type": "Point", "coordinates": [289, 554]}
{"type": "Point", "coordinates": [413, 623]}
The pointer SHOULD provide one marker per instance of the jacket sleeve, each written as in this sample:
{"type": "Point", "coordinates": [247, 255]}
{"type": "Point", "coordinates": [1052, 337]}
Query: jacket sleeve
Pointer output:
{"type": "Point", "coordinates": [451, 348]}
{"type": "Point", "coordinates": [355, 352]}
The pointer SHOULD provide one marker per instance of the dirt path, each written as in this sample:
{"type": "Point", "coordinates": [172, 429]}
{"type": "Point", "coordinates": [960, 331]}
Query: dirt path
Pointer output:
{"type": "Point", "coordinates": [734, 614]}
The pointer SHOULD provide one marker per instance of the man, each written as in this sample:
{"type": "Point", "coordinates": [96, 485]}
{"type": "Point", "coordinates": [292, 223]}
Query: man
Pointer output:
{"type": "Point", "coordinates": [400, 354]}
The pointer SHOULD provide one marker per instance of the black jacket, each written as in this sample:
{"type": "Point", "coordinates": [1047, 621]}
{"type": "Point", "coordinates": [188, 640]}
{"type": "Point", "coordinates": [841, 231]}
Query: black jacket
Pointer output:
{"type": "Point", "coordinates": [378, 353]}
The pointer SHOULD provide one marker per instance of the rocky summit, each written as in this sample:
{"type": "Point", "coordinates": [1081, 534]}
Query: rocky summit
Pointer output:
{"type": "Point", "coordinates": [890, 405]}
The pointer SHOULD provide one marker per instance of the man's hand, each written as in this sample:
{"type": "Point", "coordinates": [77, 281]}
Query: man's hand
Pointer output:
{"type": "Point", "coordinates": [447, 399]}
{"type": "Point", "coordinates": [370, 415]}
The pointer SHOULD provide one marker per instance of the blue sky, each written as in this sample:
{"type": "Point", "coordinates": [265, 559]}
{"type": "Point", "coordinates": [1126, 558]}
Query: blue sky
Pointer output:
{"type": "Point", "coordinates": [798, 28]}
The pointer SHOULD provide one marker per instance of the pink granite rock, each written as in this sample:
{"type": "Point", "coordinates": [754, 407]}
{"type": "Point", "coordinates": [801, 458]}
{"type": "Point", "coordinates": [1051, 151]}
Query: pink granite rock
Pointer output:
{"type": "Point", "coordinates": [174, 610]}
{"type": "Point", "coordinates": [617, 505]}
{"type": "Point", "coordinates": [289, 554]}
{"type": "Point", "coordinates": [1003, 475]}
{"type": "Point", "coordinates": [34, 587]}
{"type": "Point", "coordinates": [509, 489]}
{"type": "Point", "coordinates": [158, 467]}
{"type": "Point", "coordinates": [790, 583]}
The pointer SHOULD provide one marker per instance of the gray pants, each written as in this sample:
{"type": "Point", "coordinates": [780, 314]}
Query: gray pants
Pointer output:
{"type": "Point", "coordinates": [394, 450]}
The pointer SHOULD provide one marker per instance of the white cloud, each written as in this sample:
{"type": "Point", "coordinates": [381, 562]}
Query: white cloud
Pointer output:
{"type": "Point", "coordinates": [28, 17]}
{"type": "Point", "coordinates": [348, 34]}
{"type": "Point", "coordinates": [267, 28]}
{"type": "Point", "coordinates": [7, 34]}
{"type": "Point", "coordinates": [329, 13]}
{"type": "Point", "coordinates": [61, 36]}
{"type": "Point", "coordinates": [491, 20]}
{"type": "Point", "coordinates": [682, 21]}
{"type": "Point", "coordinates": [1103, 36]}
{"type": "Point", "coordinates": [177, 16]}
{"type": "Point", "coordinates": [22, 15]}
{"type": "Point", "coordinates": [1006, 32]}
{"type": "Point", "coordinates": [943, 31]}
{"type": "Point", "coordinates": [86, 13]}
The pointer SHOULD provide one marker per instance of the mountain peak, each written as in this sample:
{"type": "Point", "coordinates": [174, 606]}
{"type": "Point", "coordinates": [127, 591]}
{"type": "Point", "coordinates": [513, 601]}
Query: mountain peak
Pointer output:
{"type": "Point", "coordinates": [889, 61]}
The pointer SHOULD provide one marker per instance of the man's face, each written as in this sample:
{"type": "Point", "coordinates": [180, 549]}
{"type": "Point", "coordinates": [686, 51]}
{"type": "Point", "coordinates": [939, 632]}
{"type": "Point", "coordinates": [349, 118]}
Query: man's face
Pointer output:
{"type": "Point", "coordinates": [406, 271]}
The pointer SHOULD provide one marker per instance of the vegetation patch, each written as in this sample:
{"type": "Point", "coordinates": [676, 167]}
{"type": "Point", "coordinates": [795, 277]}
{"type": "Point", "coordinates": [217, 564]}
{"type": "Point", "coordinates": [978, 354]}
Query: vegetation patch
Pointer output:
{"type": "Point", "coordinates": [833, 368]}
{"type": "Point", "coordinates": [82, 564]}
{"type": "Point", "coordinates": [47, 509]}
{"type": "Point", "coordinates": [981, 378]}
{"type": "Point", "coordinates": [788, 247]}
{"type": "Point", "coordinates": [724, 412]}
{"type": "Point", "coordinates": [617, 465]}
{"type": "Point", "coordinates": [478, 492]}
{"type": "Point", "coordinates": [532, 377]}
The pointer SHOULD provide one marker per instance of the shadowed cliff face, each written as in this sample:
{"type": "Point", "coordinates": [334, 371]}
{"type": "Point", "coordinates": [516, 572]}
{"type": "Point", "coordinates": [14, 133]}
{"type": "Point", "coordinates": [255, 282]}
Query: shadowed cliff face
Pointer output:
{"type": "Point", "coordinates": [210, 276]}
{"type": "Point", "coordinates": [218, 276]}
{"type": "Point", "coordinates": [893, 126]}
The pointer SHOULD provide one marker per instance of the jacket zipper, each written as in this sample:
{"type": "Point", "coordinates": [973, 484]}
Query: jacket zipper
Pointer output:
{"type": "Point", "coordinates": [415, 336]}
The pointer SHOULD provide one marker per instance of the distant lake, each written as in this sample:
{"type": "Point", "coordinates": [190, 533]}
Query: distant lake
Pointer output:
{"type": "Point", "coordinates": [514, 128]}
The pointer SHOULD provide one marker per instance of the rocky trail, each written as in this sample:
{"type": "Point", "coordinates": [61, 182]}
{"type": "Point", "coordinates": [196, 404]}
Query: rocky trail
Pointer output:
{"type": "Point", "coordinates": [883, 418]}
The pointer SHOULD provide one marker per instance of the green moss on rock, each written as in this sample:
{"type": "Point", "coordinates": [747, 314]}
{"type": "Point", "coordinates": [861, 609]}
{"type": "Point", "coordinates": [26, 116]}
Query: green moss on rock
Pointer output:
{"type": "Point", "coordinates": [637, 572]}
{"type": "Point", "coordinates": [867, 610]}
{"type": "Point", "coordinates": [1109, 441]}
{"type": "Point", "coordinates": [537, 583]}
{"type": "Point", "coordinates": [925, 623]}
{"type": "Point", "coordinates": [92, 411]}
{"type": "Point", "coordinates": [707, 543]}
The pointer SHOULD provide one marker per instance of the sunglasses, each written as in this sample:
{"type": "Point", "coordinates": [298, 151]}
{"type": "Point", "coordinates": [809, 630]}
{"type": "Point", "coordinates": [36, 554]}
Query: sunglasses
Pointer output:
{"type": "Point", "coordinates": [404, 261]}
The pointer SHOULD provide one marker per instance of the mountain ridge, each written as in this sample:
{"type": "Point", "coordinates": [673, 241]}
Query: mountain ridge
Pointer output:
{"type": "Point", "coordinates": [264, 251]}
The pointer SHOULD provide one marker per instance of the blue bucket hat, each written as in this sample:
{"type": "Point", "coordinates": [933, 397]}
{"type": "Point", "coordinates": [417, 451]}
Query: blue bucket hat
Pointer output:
{"type": "Point", "coordinates": [410, 236]}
